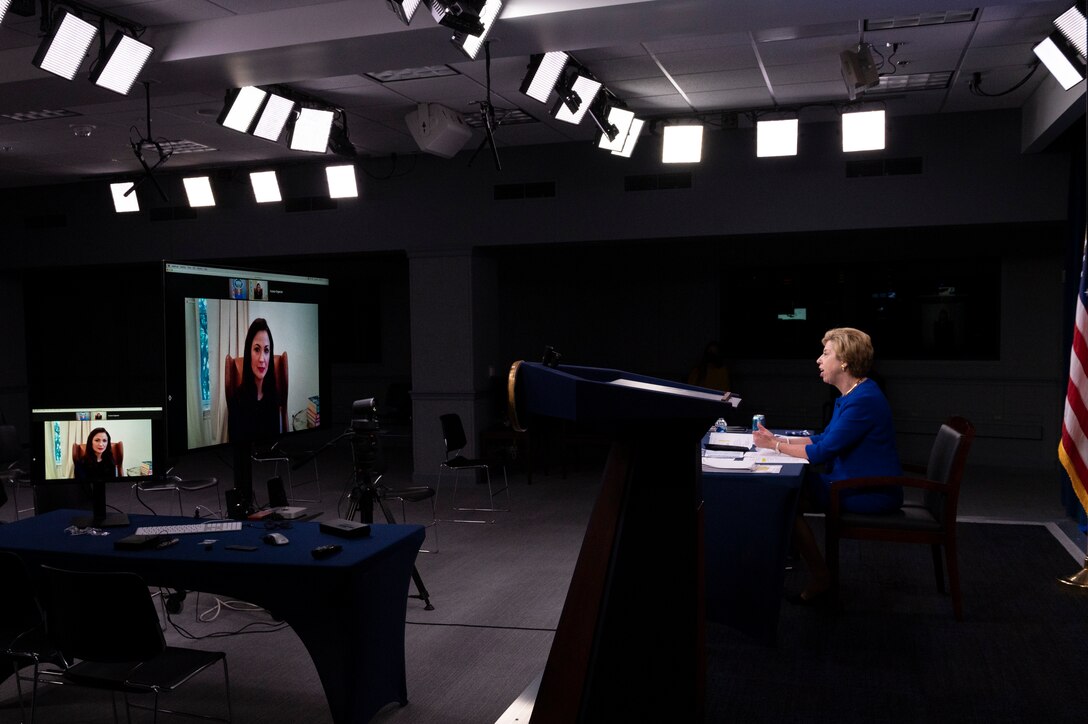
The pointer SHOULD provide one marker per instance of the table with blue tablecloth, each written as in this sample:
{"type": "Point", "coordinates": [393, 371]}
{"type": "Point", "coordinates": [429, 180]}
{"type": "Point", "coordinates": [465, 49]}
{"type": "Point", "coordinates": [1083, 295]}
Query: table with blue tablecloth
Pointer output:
{"type": "Point", "coordinates": [348, 610]}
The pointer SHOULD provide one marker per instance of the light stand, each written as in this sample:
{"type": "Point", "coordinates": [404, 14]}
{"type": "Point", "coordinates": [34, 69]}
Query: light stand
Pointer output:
{"type": "Point", "coordinates": [369, 466]}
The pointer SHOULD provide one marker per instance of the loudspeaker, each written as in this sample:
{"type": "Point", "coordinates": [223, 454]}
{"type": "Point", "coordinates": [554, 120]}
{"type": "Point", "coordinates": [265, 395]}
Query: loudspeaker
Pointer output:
{"type": "Point", "coordinates": [437, 129]}
{"type": "Point", "coordinates": [858, 70]}
{"type": "Point", "coordinates": [277, 496]}
{"type": "Point", "coordinates": [239, 506]}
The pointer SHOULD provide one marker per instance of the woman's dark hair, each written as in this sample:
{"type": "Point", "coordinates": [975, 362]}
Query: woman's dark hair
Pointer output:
{"type": "Point", "coordinates": [107, 454]}
{"type": "Point", "coordinates": [249, 383]}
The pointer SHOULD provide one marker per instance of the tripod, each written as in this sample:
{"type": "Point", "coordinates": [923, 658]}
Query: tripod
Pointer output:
{"type": "Point", "coordinates": [369, 460]}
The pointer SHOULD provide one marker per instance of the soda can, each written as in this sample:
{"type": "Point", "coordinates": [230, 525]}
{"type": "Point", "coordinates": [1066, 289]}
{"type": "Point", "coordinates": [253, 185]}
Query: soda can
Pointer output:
{"type": "Point", "coordinates": [757, 420]}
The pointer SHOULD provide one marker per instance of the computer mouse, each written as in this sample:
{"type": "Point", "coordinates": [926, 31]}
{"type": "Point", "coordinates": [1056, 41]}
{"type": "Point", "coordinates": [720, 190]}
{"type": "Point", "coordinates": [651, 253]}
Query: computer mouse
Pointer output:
{"type": "Point", "coordinates": [276, 539]}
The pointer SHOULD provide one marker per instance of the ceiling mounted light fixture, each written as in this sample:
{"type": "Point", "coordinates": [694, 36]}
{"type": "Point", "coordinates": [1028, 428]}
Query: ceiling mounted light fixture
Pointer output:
{"type": "Point", "coordinates": [403, 9]}
{"type": "Point", "coordinates": [65, 46]}
{"type": "Point", "coordinates": [631, 140]}
{"type": "Point", "coordinates": [1063, 51]}
{"type": "Point", "coordinates": [682, 144]}
{"type": "Point", "coordinates": [199, 191]}
{"type": "Point", "coordinates": [543, 73]}
{"type": "Point", "coordinates": [576, 94]}
{"type": "Point", "coordinates": [310, 130]}
{"type": "Point", "coordinates": [124, 197]}
{"type": "Point", "coordinates": [470, 43]}
{"type": "Point", "coordinates": [266, 186]}
{"type": "Point", "coordinates": [342, 184]}
{"type": "Point", "coordinates": [863, 131]}
{"type": "Point", "coordinates": [614, 130]}
{"type": "Point", "coordinates": [4, 5]}
{"type": "Point", "coordinates": [274, 116]}
{"type": "Point", "coordinates": [462, 16]}
{"type": "Point", "coordinates": [120, 63]}
{"type": "Point", "coordinates": [776, 137]}
{"type": "Point", "coordinates": [241, 108]}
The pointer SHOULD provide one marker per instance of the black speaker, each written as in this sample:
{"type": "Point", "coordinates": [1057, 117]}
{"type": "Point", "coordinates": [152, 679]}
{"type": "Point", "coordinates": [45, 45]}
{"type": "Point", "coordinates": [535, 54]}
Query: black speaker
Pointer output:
{"type": "Point", "coordinates": [239, 506]}
{"type": "Point", "coordinates": [277, 497]}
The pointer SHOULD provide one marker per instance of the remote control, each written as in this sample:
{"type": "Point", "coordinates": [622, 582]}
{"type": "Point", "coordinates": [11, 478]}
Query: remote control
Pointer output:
{"type": "Point", "coordinates": [325, 551]}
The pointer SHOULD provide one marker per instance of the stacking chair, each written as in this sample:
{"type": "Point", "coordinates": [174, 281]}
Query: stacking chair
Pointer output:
{"type": "Point", "coordinates": [930, 521]}
{"type": "Point", "coordinates": [278, 455]}
{"type": "Point", "coordinates": [23, 640]}
{"type": "Point", "coordinates": [106, 627]}
{"type": "Point", "coordinates": [177, 485]}
{"type": "Point", "coordinates": [453, 434]}
{"type": "Point", "coordinates": [11, 467]}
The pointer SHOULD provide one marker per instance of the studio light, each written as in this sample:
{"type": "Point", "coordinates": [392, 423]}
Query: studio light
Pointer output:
{"type": "Point", "coordinates": [120, 63]}
{"type": "Point", "coordinates": [544, 72]}
{"type": "Point", "coordinates": [631, 140]}
{"type": "Point", "coordinates": [620, 119]}
{"type": "Point", "coordinates": [123, 203]}
{"type": "Point", "coordinates": [4, 5]}
{"type": "Point", "coordinates": [199, 191]}
{"type": "Point", "coordinates": [682, 144]}
{"type": "Point", "coordinates": [1063, 51]}
{"type": "Point", "coordinates": [575, 97]}
{"type": "Point", "coordinates": [64, 48]}
{"type": "Point", "coordinates": [273, 118]}
{"type": "Point", "coordinates": [863, 131]}
{"type": "Point", "coordinates": [266, 187]}
{"type": "Point", "coordinates": [310, 131]}
{"type": "Point", "coordinates": [470, 43]}
{"type": "Point", "coordinates": [462, 16]}
{"type": "Point", "coordinates": [241, 108]}
{"type": "Point", "coordinates": [776, 138]}
{"type": "Point", "coordinates": [342, 183]}
{"type": "Point", "coordinates": [403, 9]}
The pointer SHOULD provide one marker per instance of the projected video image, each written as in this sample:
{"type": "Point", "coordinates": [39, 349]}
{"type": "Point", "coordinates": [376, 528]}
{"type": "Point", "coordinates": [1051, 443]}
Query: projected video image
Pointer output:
{"type": "Point", "coordinates": [116, 449]}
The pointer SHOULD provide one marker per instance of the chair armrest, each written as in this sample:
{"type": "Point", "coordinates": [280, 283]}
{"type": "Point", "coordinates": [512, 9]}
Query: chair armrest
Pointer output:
{"type": "Point", "coordinates": [834, 492]}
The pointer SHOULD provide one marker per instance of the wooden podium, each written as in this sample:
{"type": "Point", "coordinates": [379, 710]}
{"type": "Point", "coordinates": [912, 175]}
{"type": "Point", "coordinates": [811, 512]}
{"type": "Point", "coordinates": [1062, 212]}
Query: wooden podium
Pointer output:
{"type": "Point", "coordinates": [630, 640]}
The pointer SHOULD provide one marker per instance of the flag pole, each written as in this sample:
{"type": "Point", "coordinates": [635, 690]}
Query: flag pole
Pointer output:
{"type": "Point", "coordinates": [1079, 579]}
{"type": "Point", "coordinates": [1070, 453]}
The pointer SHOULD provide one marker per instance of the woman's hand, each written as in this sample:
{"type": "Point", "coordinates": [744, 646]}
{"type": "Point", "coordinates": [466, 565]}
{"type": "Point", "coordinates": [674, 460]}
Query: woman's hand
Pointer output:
{"type": "Point", "coordinates": [762, 437]}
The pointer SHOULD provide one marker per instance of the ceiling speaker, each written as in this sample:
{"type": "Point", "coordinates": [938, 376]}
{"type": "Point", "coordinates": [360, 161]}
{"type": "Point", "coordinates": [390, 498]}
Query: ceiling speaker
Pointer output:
{"type": "Point", "coordinates": [438, 130]}
{"type": "Point", "coordinates": [858, 70]}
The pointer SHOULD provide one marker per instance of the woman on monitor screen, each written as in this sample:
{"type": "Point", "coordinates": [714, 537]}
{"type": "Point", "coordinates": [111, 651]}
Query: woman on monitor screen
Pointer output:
{"type": "Point", "coordinates": [254, 410]}
{"type": "Point", "coordinates": [859, 441]}
{"type": "Point", "coordinates": [97, 463]}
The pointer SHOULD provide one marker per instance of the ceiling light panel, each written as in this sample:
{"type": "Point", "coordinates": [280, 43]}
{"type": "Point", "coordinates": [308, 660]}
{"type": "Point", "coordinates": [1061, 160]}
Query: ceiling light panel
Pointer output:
{"type": "Point", "coordinates": [586, 90]}
{"type": "Point", "coordinates": [682, 144]}
{"type": "Point", "coordinates": [123, 60]}
{"type": "Point", "coordinates": [863, 131]}
{"type": "Point", "coordinates": [311, 131]}
{"type": "Point", "coordinates": [621, 118]}
{"type": "Point", "coordinates": [631, 140]}
{"type": "Point", "coordinates": [544, 72]}
{"type": "Point", "coordinates": [199, 191]}
{"type": "Point", "coordinates": [776, 138]}
{"type": "Point", "coordinates": [470, 45]}
{"type": "Point", "coordinates": [242, 109]}
{"type": "Point", "coordinates": [62, 52]}
{"type": "Point", "coordinates": [342, 184]}
{"type": "Point", "coordinates": [274, 116]}
{"type": "Point", "coordinates": [121, 203]}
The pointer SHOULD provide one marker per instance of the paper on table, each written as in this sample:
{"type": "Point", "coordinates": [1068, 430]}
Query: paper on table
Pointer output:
{"type": "Point", "coordinates": [738, 439]}
{"type": "Point", "coordinates": [770, 457]}
{"type": "Point", "coordinates": [726, 464]}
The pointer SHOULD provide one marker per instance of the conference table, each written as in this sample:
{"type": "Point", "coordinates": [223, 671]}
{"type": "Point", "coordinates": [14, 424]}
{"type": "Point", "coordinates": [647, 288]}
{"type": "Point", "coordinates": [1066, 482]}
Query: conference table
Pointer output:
{"type": "Point", "coordinates": [748, 520]}
{"type": "Point", "coordinates": [348, 610]}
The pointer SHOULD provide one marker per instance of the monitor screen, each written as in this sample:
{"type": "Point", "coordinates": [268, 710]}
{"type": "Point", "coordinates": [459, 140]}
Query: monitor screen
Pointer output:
{"type": "Point", "coordinates": [95, 445]}
{"type": "Point", "coordinates": [243, 354]}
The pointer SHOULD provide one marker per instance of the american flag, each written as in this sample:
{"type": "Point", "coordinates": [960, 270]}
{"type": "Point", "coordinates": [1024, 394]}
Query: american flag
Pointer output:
{"type": "Point", "coordinates": [1073, 449]}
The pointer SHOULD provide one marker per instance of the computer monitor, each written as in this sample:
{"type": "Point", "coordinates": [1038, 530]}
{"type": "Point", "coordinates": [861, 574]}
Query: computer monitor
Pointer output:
{"type": "Point", "coordinates": [94, 446]}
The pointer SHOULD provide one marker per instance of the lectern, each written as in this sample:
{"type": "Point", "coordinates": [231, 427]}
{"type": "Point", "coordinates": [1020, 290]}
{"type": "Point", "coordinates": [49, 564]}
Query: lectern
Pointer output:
{"type": "Point", "coordinates": [630, 640]}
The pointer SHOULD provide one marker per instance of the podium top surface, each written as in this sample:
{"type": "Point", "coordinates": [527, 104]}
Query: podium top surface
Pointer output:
{"type": "Point", "coordinates": [601, 395]}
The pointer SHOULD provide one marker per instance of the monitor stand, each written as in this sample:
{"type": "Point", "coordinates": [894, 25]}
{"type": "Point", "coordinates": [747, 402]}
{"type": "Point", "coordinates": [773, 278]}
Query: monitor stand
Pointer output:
{"type": "Point", "coordinates": [99, 518]}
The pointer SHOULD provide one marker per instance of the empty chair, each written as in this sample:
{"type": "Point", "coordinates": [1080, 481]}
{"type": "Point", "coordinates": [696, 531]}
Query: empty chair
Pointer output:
{"type": "Point", "coordinates": [23, 640]}
{"type": "Point", "coordinates": [453, 434]}
{"type": "Point", "coordinates": [105, 625]}
{"type": "Point", "coordinates": [930, 521]}
{"type": "Point", "coordinates": [11, 467]}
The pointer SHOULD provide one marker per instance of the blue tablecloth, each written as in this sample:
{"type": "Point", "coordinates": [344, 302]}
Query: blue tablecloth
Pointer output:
{"type": "Point", "coordinates": [348, 610]}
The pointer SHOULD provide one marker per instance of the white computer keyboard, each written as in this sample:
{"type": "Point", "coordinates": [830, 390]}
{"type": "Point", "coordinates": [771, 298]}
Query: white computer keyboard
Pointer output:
{"type": "Point", "coordinates": [211, 526]}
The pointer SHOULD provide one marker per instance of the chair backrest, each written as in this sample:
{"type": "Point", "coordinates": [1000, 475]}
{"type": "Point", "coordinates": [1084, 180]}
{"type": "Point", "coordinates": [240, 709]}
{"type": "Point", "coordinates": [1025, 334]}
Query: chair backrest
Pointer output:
{"type": "Point", "coordinates": [20, 611]}
{"type": "Point", "coordinates": [947, 460]}
{"type": "Point", "coordinates": [453, 432]}
{"type": "Point", "coordinates": [104, 617]}
{"type": "Point", "coordinates": [79, 449]}
{"type": "Point", "coordinates": [232, 379]}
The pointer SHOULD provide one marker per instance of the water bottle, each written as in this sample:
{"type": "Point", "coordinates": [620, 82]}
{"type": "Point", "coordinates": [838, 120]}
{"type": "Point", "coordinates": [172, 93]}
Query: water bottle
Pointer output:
{"type": "Point", "coordinates": [719, 426]}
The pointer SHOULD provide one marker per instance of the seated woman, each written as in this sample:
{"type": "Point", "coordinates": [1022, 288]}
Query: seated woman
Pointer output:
{"type": "Point", "coordinates": [859, 441]}
{"type": "Point", "coordinates": [97, 463]}
{"type": "Point", "coordinates": [253, 413]}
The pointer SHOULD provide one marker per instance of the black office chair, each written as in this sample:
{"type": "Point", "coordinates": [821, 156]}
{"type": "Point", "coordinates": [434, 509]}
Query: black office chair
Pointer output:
{"type": "Point", "coordinates": [23, 640]}
{"type": "Point", "coordinates": [453, 434]}
{"type": "Point", "coordinates": [107, 623]}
